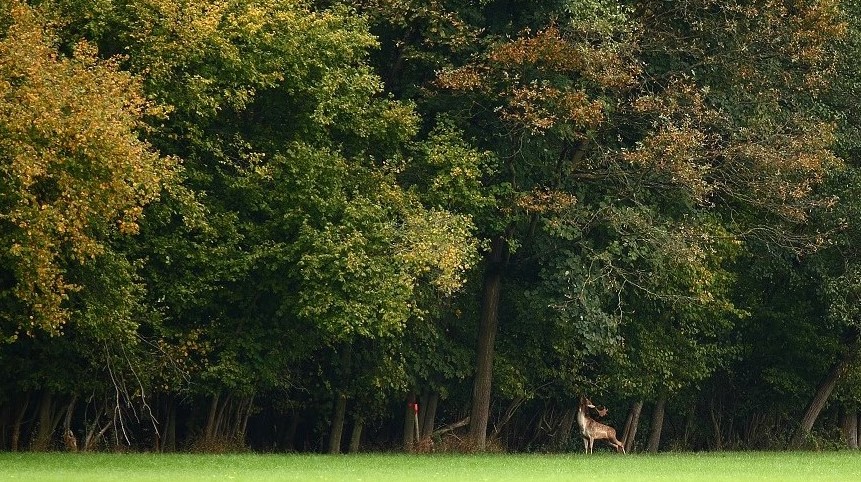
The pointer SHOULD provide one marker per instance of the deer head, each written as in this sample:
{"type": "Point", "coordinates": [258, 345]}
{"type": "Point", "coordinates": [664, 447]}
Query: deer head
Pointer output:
{"type": "Point", "coordinates": [586, 403]}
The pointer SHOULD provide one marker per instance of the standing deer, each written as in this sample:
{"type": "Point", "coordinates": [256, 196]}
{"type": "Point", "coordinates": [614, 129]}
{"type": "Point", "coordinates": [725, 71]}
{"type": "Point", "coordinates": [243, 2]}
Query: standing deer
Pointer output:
{"type": "Point", "coordinates": [592, 430]}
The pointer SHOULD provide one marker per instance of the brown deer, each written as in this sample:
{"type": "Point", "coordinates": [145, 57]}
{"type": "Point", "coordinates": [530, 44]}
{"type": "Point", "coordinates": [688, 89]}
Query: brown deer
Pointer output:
{"type": "Point", "coordinates": [592, 430]}
{"type": "Point", "coordinates": [70, 441]}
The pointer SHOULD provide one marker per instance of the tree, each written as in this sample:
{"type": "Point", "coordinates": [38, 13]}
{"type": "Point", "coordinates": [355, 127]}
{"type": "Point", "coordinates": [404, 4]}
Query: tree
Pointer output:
{"type": "Point", "coordinates": [293, 234]}
{"type": "Point", "coordinates": [75, 169]}
{"type": "Point", "coordinates": [642, 113]}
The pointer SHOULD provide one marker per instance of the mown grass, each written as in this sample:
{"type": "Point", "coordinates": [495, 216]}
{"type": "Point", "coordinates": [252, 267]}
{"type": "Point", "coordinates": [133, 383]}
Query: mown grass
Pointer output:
{"type": "Point", "coordinates": [728, 466]}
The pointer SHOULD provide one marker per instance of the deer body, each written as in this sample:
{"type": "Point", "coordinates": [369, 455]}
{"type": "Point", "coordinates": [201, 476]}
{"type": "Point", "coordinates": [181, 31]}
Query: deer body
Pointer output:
{"type": "Point", "coordinates": [592, 430]}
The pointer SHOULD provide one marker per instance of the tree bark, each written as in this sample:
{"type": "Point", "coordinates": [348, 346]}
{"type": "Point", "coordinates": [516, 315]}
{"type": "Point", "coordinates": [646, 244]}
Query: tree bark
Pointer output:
{"type": "Point", "coordinates": [169, 442]}
{"type": "Point", "coordinates": [290, 436]}
{"type": "Point", "coordinates": [209, 431]}
{"type": "Point", "coordinates": [356, 438]}
{"type": "Point", "coordinates": [16, 427]}
{"type": "Point", "coordinates": [93, 431]}
{"type": "Point", "coordinates": [562, 436]}
{"type": "Point", "coordinates": [480, 413]}
{"type": "Point", "coordinates": [849, 426]}
{"type": "Point", "coordinates": [220, 420]}
{"type": "Point", "coordinates": [410, 434]}
{"type": "Point", "coordinates": [338, 424]}
{"type": "Point", "coordinates": [858, 431]}
{"type": "Point", "coordinates": [5, 418]}
{"type": "Point", "coordinates": [657, 424]}
{"type": "Point", "coordinates": [429, 414]}
{"type": "Point", "coordinates": [345, 365]}
{"type": "Point", "coordinates": [716, 414]}
{"type": "Point", "coordinates": [631, 425]}
{"type": "Point", "coordinates": [690, 420]}
{"type": "Point", "coordinates": [42, 436]}
{"type": "Point", "coordinates": [243, 428]}
{"type": "Point", "coordinates": [69, 438]}
{"type": "Point", "coordinates": [823, 391]}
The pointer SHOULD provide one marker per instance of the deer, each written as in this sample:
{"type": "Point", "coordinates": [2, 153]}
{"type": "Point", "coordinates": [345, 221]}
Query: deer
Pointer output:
{"type": "Point", "coordinates": [70, 440]}
{"type": "Point", "coordinates": [592, 430]}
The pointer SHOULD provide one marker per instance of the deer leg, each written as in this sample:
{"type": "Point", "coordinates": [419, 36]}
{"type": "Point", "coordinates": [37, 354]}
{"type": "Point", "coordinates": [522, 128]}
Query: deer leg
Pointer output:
{"type": "Point", "coordinates": [620, 447]}
{"type": "Point", "coordinates": [591, 444]}
{"type": "Point", "coordinates": [586, 445]}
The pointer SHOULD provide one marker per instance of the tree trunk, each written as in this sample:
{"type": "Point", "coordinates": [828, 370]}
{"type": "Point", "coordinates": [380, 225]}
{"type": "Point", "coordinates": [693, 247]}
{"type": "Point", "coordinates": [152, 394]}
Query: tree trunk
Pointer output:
{"type": "Point", "coordinates": [480, 413]}
{"type": "Point", "coordinates": [716, 414]}
{"type": "Point", "coordinates": [16, 427]}
{"type": "Point", "coordinates": [338, 424]}
{"type": "Point", "coordinates": [356, 438]}
{"type": "Point", "coordinates": [337, 431]}
{"type": "Point", "coordinates": [631, 425]}
{"type": "Point", "coordinates": [290, 436]}
{"type": "Point", "coordinates": [690, 421]}
{"type": "Point", "coordinates": [95, 431]}
{"type": "Point", "coordinates": [561, 438]}
{"type": "Point", "coordinates": [69, 438]}
{"type": "Point", "coordinates": [858, 431]}
{"type": "Point", "coordinates": [657, 424]}
{"type": "Point", "coordinates": [169, 442]}
{"type": "Point", "coordinates": [823, 391]}
{"type": "Point", "coordinates": [5, 418]}
{"type": "Point", "coordinates": [849, 425]}
{"type": "Point", "coordinates": [410, 435]}
{"type": "Point", "coordinates": [429, 414]}
{"type": "Point", "coordinates": [221, 420]}
{"type": "Point", "coordinates": [241, 412]}
{"type": "Point", "coordinates": [209, 431]}
{"type": "Point", "coordinates": [42, 436]}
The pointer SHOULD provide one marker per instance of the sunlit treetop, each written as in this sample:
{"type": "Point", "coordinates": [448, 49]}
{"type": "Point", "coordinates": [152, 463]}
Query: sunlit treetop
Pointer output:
{"type": "Point", "coordinates": [74, 167]}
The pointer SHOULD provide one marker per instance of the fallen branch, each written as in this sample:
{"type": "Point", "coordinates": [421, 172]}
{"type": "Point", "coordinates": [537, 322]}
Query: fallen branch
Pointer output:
{"type": "Point", "coordinates": [450, 427]}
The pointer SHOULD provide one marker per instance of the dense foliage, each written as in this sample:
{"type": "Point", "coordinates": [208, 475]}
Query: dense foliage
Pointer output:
{"type": "Point", "coordinates": [260, 223]}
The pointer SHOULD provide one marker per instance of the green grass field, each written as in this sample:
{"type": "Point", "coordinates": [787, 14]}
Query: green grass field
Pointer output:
{"type": "Point", "coordinates": [730, 466]}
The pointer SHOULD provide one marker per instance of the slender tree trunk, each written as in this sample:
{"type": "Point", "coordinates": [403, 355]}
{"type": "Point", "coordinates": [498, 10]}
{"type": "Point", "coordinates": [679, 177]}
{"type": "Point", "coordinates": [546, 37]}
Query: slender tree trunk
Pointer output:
{"type": "Point", "coordinates": [16, 427]}
{"type": "Point", "coordinates": [480, 413]}
{"type": "Point", "coordinates": [69, 438]}
{"type": "Point", "coordinates": [356, 438]}
{"type": "Point", "coordinates": [657, 424]}
{"type": "Point", "coordinates": [159, 414]}
{"type": "Point", "coordinates": [338, 424]}
{"type": "Point", "coordinates": [169, 442]}
{"type": "Point", "coordinates": [337, 431]}
{"type": "Point", "coordinates": [689, 426]}
{"type": "Point", "coordinates": [823, 391]}
{"type": "Point", "coordinates": [716, 414]}
{"type": "Point", "coordinates": [209, 431]}
{"type": "Point", "coordinates": [563, 432]}
{"type": "Point", "coordinates": [410, 435]}
{"type": "Point", "coordinates": [225, 407]}
{"type": "Point", "coordinates": [241, 412]}
{"type": "Point", "coordinates": [858, 431]}
{"type": "Point", "coordinates": [849, 425]}
{"type": "Point", "coordinates": [42, 437]}
{"type": "Point", "coordinates": [429, 414]}
{"type": "Point", "coordinates": [5, 418]}
{"type": "Point", "coordinates": [631, 426]}
{"type": "Point", "coordinates": [290, 436]}
{"type": "Point", "coordinates": [627, 428]}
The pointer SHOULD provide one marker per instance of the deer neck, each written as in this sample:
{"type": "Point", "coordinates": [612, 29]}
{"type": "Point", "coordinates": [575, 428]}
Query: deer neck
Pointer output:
{"type": "Point", "coordinates": [582, 419]}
